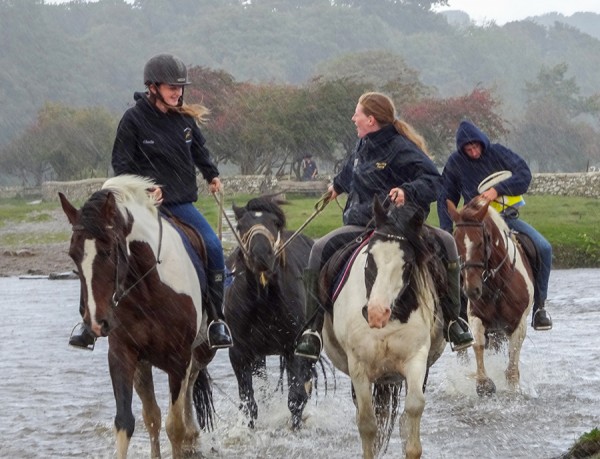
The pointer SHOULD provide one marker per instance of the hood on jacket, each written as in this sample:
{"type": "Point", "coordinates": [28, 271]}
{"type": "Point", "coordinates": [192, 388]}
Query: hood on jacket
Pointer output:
{"type": "Point", "coordinates": [466, 133]}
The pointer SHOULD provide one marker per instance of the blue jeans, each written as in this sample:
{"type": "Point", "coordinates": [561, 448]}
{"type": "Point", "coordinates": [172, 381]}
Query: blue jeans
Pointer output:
{"type": "Point", "coordinates": [192, 216]}
{"type": "Point", "coordinates": [544, 249]}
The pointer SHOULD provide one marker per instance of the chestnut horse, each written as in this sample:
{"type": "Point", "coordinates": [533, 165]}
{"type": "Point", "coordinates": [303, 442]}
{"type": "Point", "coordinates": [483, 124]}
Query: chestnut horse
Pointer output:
{"type": "Point", "coordinates": [498, 281]}
{"type": "Point", "coordinates": [140, 288]}
{"type": "Point", "coordinates": [392, 283]}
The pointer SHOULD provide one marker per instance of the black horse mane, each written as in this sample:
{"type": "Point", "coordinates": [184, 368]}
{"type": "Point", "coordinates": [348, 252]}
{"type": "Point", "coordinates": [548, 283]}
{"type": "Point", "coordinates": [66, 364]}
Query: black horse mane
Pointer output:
{"type": "Point", "coordinates": [91, 213]}
{"type": "Point", "coordinates": [267, 204]}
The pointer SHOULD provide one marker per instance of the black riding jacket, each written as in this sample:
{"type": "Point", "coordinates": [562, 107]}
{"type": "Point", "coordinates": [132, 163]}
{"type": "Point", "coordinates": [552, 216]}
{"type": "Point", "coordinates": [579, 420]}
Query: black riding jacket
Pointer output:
{"type": "Point", "coordinates": [164, 146]}
{"type": "Point", "coordinates": [383, 160]}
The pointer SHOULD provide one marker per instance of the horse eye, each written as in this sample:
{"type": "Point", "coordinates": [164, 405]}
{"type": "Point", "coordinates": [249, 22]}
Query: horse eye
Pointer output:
{"type": "Point", "coordinates": [105, 253]}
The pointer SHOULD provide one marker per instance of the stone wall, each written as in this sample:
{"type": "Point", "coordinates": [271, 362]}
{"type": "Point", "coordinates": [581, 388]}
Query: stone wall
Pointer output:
{"type": "Point", "coordinates": [585, 184]}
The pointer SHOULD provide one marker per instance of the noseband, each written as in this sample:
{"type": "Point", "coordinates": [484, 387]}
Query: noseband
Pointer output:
{"type": "Point", "coordinates": [276, 245]}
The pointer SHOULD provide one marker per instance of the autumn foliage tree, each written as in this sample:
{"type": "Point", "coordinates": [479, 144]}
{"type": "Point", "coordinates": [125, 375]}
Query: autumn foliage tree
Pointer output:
{"type": "Point", "coordinates": [437, 119]}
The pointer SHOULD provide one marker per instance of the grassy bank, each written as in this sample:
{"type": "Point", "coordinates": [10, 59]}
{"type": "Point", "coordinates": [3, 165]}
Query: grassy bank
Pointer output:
{"type": "Point", "coordinates": [571, 224]}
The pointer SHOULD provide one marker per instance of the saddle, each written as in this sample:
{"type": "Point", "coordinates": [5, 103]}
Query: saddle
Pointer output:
{"type": "Point", "coordinates": [335, 271]}
{"type": "Point", "coordinates": [533, 256]}
{"type": "Point", "coordinates": [194, 245]}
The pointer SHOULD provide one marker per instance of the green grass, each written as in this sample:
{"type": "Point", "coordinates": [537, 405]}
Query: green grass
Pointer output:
{"type": "Point", "coordinates": [571, 224]}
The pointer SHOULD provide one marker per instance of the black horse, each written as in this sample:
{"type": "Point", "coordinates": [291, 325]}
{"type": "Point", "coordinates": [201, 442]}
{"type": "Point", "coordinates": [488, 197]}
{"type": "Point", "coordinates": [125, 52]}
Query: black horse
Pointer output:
{"type": "Point", "coordinates": [264, 305]}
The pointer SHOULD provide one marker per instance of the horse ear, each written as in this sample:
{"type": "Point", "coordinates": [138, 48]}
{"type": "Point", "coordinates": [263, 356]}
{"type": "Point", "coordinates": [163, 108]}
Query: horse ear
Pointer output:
{"type": "Point", "coordinates": [418, 217]}
{"type": "Point", "coordinates": [379, 212]}
{"type": "Point", "coordinates": [68, 208]}
{"type": "Point", "coordinates": [238, 211]}
{"type": "Point", "coordinates": [483, 205]}
{"type": "Point", "coordinates": [109, 208]}
{"type": "Point", "coordinates": [452, 211]}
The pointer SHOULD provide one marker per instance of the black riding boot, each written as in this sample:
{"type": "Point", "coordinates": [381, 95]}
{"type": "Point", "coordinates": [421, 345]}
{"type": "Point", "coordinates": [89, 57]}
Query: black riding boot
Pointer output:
{"type": "Point", "coordinates": [83, 338]}
{"type": "Point", "coordinates": [540, 319]}
{"type": "Point", "coordinates": [219, 334]}
{"type": "Point", "coordinates": [310, 343]}
{"type": "Point", "coordinates": [456, 330]}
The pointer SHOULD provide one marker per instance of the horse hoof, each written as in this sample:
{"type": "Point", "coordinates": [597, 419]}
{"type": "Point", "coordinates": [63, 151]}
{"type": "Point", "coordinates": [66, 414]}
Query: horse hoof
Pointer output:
{"type": "Point", "coordinates": [486, 388]}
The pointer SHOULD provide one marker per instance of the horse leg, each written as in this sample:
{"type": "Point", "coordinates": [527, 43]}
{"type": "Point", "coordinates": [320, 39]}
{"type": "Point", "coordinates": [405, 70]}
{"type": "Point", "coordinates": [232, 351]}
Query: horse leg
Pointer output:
{"type": "Point", "coordinates": [299, 377]}
{"type": "Point", "coordinates": [365, 415]}
{"type": "Point", "coordinates": [122, 365]}
{"type": "Point", "coordinates": [414, 404]}
{"type": "Point", "coordinates": [515, 342]}
{"type": "Point", "coordinates": [175, 425]}
{"type": "Point", "coordinates": [192, 432]}
{"type": "Point", "coordinates": [484, 384]}
{"type": "Point", "coordinates": [243, 372]}
{"type": "Point", "coordinates": [144, 386]}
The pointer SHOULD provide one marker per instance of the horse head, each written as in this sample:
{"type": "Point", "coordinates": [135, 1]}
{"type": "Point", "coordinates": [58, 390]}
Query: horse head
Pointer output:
{"type": "Point", "coordinates": [481, 239]}
{"type": "Point", "coordinates": [99, 250]}
{"type": "Point", "coordinates": [393, 251]}
{"type": "Point", "coordinates": [260, 224]}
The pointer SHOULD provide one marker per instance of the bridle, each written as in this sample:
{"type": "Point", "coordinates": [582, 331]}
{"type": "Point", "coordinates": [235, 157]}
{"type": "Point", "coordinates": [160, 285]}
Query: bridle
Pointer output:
{"type": "Point", "coordinates": [276, 244]}
{"type": "Point", "coordinates": [122, 253]}
{"type": "Point", "coordinates": [488, 271]}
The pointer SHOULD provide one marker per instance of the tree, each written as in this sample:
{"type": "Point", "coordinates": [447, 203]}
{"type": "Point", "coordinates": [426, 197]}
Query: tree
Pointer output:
{"type": "Point", "coordinates": [64, 143]}
{"type": "Point", "coordinates": [438, 119]}
{"type": "Point", "coordinates": [554, 134]}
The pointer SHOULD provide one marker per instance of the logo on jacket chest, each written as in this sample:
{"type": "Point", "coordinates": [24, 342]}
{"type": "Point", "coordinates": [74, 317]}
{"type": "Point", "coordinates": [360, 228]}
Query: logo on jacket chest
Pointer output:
{"type": "Point", "coordinates": [380, 165]}
{"type": "Point", "coordinates": [187, 134]}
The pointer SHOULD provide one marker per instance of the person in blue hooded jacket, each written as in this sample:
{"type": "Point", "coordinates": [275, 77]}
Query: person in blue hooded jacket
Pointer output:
{"type": "Point", "coordinates": [389, 161]}
{"type": "Point", "coordinates": [159, 137]}
{"type": "Point", "coordinates": [474, 160]}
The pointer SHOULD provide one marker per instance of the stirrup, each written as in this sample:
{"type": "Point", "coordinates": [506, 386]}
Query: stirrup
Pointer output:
{"type": "Point", "coordinates": [87, 347]}
{"type": "Point", "coordinates": [462, 346]}
{"type": "Point", "coordinates": [228, 332]}
{"type": "Point", "coordinates": [308, 333]}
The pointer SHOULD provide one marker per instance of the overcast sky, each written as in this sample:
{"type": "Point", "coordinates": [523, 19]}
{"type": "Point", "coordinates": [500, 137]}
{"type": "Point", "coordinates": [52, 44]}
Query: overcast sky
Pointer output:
{"type": "Point", "coordinates": [503, 11]}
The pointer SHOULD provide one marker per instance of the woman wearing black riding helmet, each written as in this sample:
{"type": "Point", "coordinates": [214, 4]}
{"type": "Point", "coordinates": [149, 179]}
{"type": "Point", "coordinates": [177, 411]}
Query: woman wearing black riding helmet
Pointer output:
{"type": "Point", "coordinates": [160, 138]}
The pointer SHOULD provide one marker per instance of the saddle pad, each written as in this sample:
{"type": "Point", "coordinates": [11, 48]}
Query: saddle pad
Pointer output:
{"type": "Point", "coordinates": [342, 277]}
{"type": "Point", "coordinates": [193, 254]}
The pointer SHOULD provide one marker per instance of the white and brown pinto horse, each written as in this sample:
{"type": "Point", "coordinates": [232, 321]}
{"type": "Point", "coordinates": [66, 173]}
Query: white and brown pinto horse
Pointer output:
{"type": "Point", "coordinates": [140, 288]}
{"type": "Point", "coordinates": [386, 328]}
{"type": "Point", "coordinates": [498, 281]}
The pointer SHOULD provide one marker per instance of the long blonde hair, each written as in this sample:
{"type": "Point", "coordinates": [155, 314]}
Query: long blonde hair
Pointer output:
{"type": "Point", "coordinates": [381, 107]}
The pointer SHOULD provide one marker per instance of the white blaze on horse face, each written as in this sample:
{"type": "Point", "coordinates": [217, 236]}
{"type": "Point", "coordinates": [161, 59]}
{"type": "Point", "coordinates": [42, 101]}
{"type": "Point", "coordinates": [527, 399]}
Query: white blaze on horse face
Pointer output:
{"type": "Point", "coordinates": [389, 260]}
{"type": "Point", "coordinates": [89, 255]}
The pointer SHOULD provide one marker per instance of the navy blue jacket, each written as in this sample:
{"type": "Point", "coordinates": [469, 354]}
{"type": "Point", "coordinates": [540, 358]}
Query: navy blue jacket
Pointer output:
{"type": "Point", "coordinates": [164, 146]}
{"type": "Point", "coordinates": [462, 175]}
{"type": "Point", "coordinates": [381, 161]}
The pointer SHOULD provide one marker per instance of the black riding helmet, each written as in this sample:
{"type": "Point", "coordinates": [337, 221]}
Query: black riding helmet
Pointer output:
{"type": "Point", "coordinates": [167, 69]}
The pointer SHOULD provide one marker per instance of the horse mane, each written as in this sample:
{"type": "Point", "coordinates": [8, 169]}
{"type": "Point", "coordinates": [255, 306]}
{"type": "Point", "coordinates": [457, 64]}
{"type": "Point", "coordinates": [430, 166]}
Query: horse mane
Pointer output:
{"type": "Point", "coordinates": [132, 188]}
{"type": "Point", "coordinates": [267, 204]}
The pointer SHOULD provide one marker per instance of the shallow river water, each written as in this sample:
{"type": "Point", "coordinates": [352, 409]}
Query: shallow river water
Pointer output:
{"type": "Point", "coordinates": [57, 402]}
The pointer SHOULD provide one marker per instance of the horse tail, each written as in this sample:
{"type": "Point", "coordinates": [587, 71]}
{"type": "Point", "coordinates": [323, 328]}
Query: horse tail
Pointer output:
{"type": "Point", "coordinates": [386, 404]}
{"type": "Point", "coordinates": [203, 401]}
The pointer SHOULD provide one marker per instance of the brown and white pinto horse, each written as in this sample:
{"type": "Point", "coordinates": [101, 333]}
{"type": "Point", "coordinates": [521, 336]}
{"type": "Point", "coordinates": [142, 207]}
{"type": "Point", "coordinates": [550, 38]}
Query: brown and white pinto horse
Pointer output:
{"type": "Point", "coordinates": [498, 281]}
{"type": "Point", "coordinates": [140, 288]}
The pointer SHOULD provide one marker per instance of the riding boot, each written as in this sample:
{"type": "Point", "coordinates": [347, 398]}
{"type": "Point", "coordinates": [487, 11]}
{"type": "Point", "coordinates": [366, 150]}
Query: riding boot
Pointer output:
{"type": "Point", "coordinates": [310, 343]}
{"type": "Point", "coordinates": [456, 330]}
{"type": "Point", "coordinates": [540, 319]}
{"type": "Point", "coordinates": [83, 338]}
{"type": "Point", "coordinates": [219, 335]}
